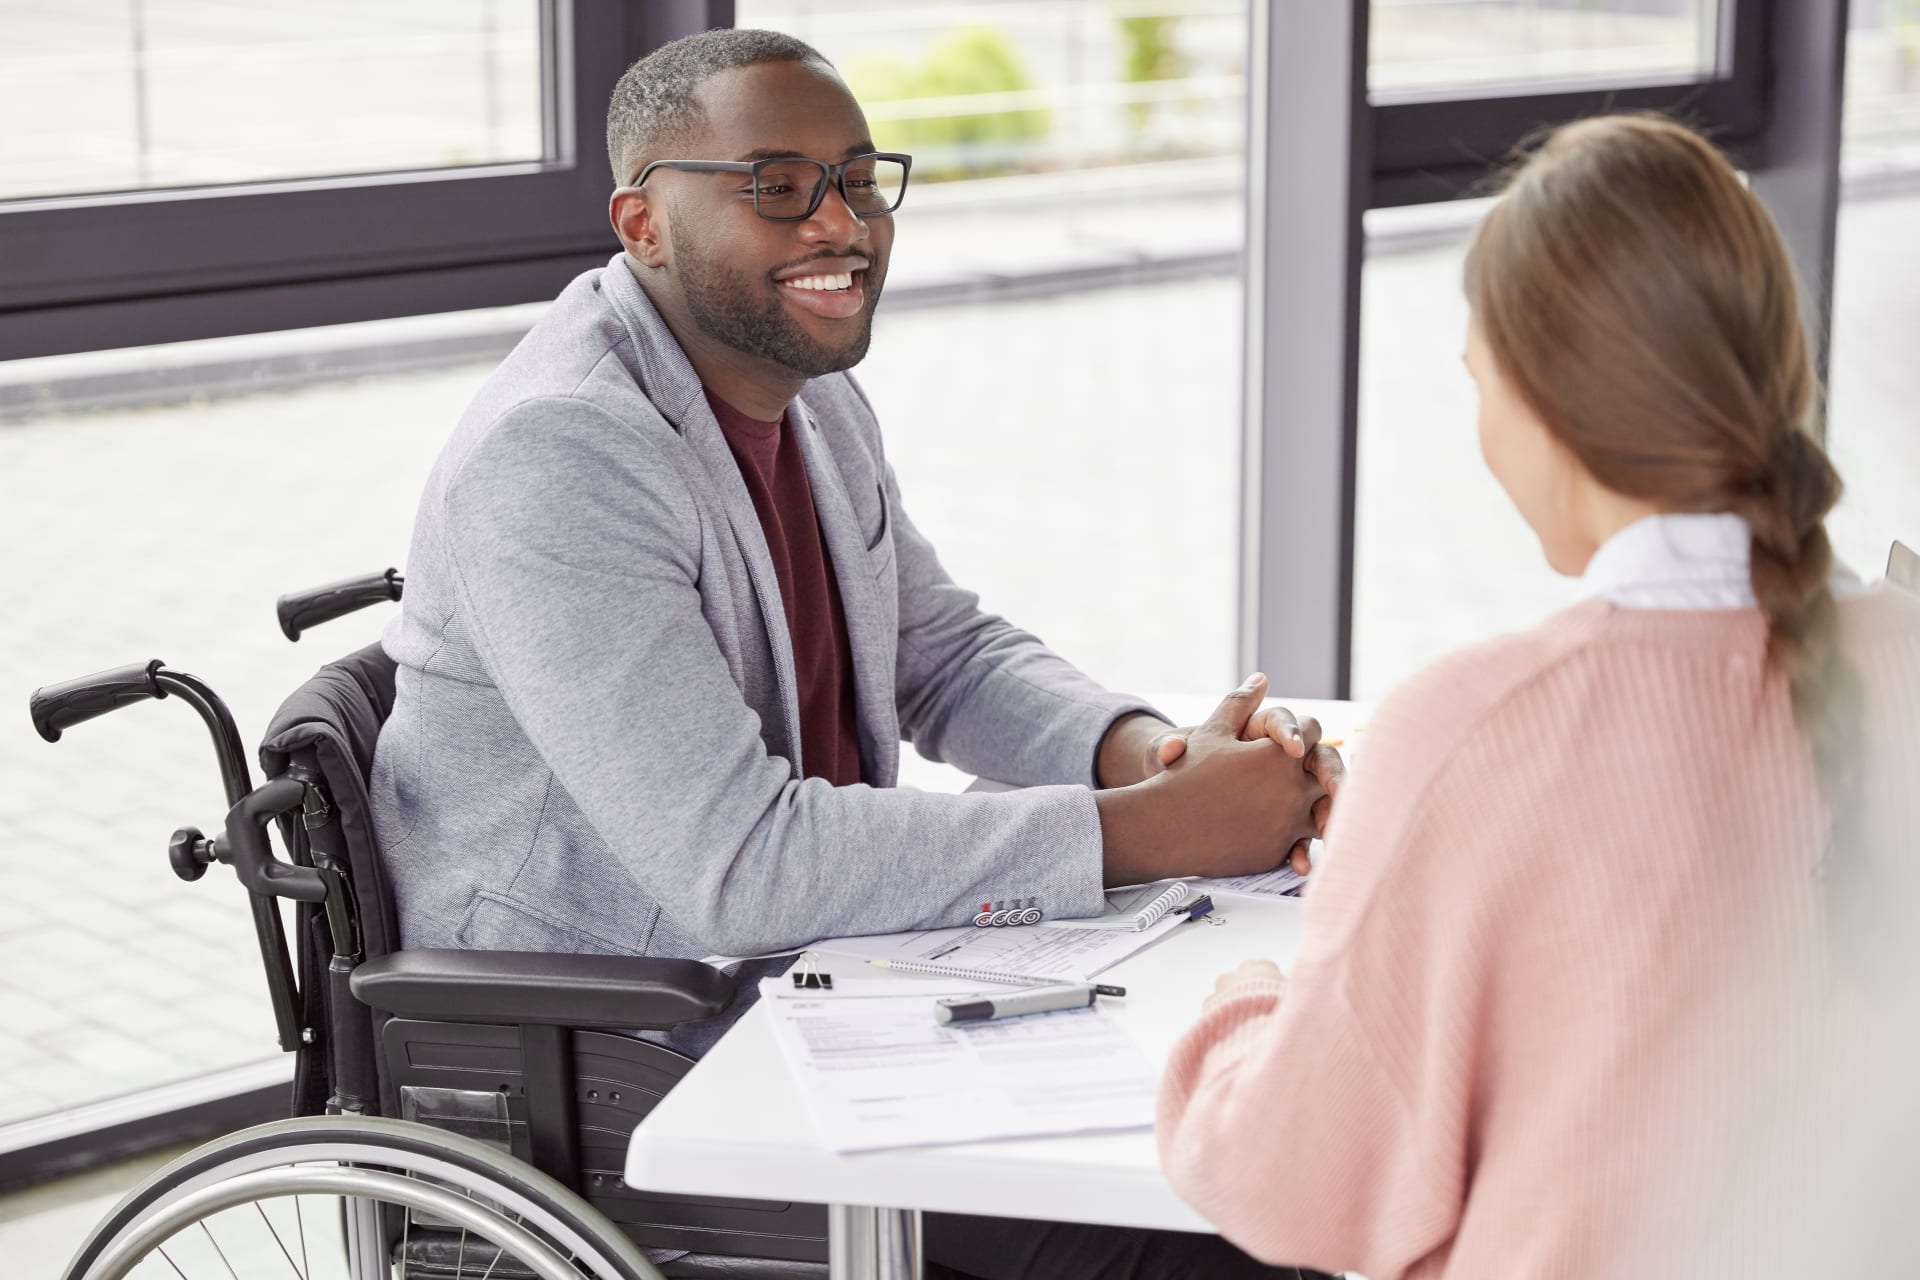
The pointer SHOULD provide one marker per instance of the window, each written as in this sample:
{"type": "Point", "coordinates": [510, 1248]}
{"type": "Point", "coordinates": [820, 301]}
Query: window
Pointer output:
{"type": "Point", "coordinates": [1441, 558]}
{"type": "Point", "coordinates": [199, 169]}
{"type": "Point", "coordinates": [168, 532]}
{"type": "Point", "coordinates": [1873, 383]}
{"type": "Point", "coordinates": [1456, 86]}
{"type": "Point", "coordinates": [1057, 362]}
{"type": "Point", "coordinates": [1883, 92]}
{"type": "Point", "coordinates": [1432, 45]}
{"type": "Point", "coordinates": [232, 168]}
{"type": "Point", "coordinates": [156, 94]}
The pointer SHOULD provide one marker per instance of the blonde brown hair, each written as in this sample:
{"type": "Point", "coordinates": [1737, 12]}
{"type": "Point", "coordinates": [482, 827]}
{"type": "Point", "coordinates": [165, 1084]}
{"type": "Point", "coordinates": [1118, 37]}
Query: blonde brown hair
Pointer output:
{"type": "Point", "coordinates": [1639, 297]}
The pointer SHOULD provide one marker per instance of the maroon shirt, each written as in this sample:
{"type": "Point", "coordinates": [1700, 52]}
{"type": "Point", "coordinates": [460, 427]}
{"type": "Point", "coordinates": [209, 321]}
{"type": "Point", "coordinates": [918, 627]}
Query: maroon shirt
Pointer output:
{"type": "Point", "coordinates": [768, 455]}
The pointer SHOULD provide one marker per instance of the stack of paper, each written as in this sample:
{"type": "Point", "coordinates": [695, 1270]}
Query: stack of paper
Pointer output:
{"type": "Point", "coordinates": [1282, 882]}
{"type": "Point", "coordinates": [1040, 953]}
{"type": "Point", "coordinates": [877, 1071]}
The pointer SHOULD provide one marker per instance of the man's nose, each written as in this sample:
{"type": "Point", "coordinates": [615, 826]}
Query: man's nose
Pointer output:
{"type": "Point", "coordinates": [834, 222]}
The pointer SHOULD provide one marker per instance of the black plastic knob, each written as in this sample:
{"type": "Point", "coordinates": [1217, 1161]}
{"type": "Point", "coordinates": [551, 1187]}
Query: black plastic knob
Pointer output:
{"type": "Point", "coordinates": [190, 852]}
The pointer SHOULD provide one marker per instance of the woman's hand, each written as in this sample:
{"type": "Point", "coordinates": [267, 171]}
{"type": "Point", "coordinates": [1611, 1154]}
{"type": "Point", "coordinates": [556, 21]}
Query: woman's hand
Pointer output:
{"type": "Point", "coordinates": [1250, 973]}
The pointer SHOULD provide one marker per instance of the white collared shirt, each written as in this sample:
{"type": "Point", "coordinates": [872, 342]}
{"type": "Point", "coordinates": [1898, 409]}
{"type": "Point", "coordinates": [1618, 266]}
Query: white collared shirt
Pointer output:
{"type": "Point", "coordinates": [1682, 560]}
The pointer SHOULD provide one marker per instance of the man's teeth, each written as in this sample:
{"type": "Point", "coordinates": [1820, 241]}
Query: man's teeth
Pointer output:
{"type": "Point", "coordinates": [821, 282]}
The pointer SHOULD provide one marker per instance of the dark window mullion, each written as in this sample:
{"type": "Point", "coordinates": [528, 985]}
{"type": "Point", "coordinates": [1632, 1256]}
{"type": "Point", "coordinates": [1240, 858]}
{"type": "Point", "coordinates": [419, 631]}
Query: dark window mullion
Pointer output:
{"type": "Point", "coordinates": [1445, 145]}
{"type": "Point", "coordinates": [76, 266]}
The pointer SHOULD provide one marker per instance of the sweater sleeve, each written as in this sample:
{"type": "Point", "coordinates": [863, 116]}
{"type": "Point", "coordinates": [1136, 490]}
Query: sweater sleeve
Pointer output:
{"type": "Point", "coordinates": [1277, 1123]}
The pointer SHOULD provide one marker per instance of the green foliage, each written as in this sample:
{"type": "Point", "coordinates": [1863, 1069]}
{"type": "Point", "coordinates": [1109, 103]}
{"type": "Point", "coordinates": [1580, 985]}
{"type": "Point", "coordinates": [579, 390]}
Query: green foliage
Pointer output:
{"type": "Point", "coordinates": [1149, 52]}
{"type": "Point", "coordinates": [962, 62]}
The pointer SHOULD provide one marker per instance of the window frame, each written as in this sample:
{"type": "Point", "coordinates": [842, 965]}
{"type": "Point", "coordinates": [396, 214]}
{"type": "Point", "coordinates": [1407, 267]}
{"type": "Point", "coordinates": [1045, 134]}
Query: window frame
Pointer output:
{"type": "Point", "coordinates": [88, 272]}
{"type": "Point", "coordinates": [1773, 105]}
{"type": "Point", "coordinates": [1435, 145]}
{"type": "Point", "coordinates": [92, 272]}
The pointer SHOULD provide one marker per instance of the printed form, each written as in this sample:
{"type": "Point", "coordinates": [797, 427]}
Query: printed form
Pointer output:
{"type": "Point", "coordinates": [1036, 951]}
{"type": "Point", "coordinates": [1282, 882]}
{"type": "Point", "coordinates": [877, 1071]}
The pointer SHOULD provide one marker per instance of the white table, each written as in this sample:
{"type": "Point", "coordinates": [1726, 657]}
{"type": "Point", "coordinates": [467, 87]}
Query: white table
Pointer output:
{"type": "Point", "coordinates": [737, 1126]}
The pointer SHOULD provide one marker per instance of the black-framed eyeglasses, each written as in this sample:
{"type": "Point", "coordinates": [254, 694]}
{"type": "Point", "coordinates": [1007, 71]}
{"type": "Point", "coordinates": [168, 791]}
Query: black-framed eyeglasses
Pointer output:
{"type": "Point", "coordinates": [789, 189]}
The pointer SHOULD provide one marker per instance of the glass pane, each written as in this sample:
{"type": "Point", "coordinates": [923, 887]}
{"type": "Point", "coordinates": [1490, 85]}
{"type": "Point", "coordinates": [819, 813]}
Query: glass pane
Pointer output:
{"type": "Point", "coordinates": [120, 95]}
{"type": "Point", "coordinates": [1882, 120]}
{"type": "Point", "coordinates": [1450, 44]}
{"type": "Point", "coordinates": [168, 532]}
{"type": "Point", "coordinates": [1074, 456]}
{"type": "Point", "coordinates": [1874, 381]}
{"type": "Point", "coordinates": [1441, 558]}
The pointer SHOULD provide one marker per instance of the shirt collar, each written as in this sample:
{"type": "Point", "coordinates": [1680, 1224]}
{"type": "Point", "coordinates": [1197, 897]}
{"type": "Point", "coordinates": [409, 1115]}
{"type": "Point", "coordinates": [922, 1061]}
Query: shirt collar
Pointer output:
{"type": "Point", "coordinates": [1675, 561]}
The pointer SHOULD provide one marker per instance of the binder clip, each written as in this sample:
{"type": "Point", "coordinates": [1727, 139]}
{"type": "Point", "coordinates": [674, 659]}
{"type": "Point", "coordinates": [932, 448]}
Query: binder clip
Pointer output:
{"type": "Point", "coordinates": [1201, 908]}
{"type": "Point", "coordinates": [807, 978]}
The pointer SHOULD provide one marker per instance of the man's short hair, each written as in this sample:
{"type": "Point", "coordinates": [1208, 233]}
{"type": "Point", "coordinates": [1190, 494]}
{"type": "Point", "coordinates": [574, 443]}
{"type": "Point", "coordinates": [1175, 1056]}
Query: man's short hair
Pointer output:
{"type": "Point", "coordinates": [654, 109]}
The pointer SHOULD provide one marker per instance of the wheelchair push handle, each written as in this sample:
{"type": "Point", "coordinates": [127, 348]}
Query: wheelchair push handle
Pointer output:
{"type": "Point", "coordinates": [56, 708]}
{"type": "Point", "coordinates": [299, 610]}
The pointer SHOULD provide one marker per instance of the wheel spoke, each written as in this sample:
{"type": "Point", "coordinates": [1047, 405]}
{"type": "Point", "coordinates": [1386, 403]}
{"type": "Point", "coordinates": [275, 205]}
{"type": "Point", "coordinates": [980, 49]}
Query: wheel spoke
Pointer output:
{"type": "Point", "coordinates": [341, 1164]}
{"type": "Point", "coordinates": [217, 1249]}
{"type": "Point", "coordinates": [275, 1233]}
{"type": "Point", "coordinates": [305, 1265]}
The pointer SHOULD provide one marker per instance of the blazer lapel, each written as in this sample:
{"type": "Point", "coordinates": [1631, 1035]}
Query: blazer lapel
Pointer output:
{"type": "Point", "coordinates": [671, 383]}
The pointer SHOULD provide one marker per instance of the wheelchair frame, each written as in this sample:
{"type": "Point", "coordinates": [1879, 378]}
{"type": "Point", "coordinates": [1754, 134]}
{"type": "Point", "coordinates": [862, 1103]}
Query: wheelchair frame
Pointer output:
{"type": "Point", "coordinates": [374, 1027]}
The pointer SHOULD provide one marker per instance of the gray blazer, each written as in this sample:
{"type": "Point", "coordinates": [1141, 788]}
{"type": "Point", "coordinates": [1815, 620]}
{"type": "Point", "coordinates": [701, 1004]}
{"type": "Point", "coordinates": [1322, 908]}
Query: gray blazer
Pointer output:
{"type": "Point", "coordinates": [596, 742]}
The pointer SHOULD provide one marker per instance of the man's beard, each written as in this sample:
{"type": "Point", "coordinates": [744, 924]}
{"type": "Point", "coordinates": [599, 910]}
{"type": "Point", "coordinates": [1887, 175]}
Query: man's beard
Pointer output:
{"type": "Point", "coordinates": [726, 306]}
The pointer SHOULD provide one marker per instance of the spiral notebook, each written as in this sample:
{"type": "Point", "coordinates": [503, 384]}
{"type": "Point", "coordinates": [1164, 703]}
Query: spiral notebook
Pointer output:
{"type": "Point", "coordinates": [1137, 906]}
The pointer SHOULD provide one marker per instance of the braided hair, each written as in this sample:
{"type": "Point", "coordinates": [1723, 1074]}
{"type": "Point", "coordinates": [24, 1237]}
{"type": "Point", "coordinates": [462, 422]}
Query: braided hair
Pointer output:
{"type": "Point", "coordinates": [1639, 297]}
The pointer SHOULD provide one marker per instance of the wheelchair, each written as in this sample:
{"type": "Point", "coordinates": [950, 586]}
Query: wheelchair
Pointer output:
{"type": "Point", "coordinates": [455, 1114]}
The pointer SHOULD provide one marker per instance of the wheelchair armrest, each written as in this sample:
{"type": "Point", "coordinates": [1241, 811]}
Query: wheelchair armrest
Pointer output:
{"type": "Point", "coordinates": [542, 988]}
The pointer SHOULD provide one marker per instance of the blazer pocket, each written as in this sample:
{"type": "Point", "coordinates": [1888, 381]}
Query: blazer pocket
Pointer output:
{"type": "Point", "coordinates": [496, 922]}
{"type": "Point", "coordinates": [880, 552]}
{"type": "Point", "coordinates": [876, 544]}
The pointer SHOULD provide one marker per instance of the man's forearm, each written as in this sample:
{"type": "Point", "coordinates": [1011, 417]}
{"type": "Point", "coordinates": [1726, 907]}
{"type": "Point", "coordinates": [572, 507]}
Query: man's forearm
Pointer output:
{"type": "Point", "coordinates": [1134, 841]}
{"type": "Point", "coordinates": [1126, 749]}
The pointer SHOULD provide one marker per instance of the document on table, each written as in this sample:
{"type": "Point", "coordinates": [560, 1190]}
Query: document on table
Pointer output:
{"type": "Point", "coordinates": [1282, 882]}
{"type": "Point", "coordinates": [877, 1071]}
{"type": "Point", "coordinates": [1035, 951]}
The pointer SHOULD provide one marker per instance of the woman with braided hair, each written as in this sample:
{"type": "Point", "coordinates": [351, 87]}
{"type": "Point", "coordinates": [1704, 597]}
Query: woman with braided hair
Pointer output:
{"type": "Point", "coordinates": [1596, 892]}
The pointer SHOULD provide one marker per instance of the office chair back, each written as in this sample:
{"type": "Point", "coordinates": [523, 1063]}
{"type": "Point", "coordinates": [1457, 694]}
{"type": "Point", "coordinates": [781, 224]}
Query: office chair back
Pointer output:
{"type": "Point", "coordinates": [1903, 566]}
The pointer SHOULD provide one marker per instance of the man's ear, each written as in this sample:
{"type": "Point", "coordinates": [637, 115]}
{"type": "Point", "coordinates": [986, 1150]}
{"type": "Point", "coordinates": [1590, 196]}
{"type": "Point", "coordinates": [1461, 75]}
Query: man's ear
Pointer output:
{"type": "Point", "coordinates": [640, 224]}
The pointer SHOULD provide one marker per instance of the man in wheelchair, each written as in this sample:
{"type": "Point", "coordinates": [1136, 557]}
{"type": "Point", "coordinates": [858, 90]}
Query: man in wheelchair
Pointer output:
{"type": "Point", "coordinates": [667, 620]}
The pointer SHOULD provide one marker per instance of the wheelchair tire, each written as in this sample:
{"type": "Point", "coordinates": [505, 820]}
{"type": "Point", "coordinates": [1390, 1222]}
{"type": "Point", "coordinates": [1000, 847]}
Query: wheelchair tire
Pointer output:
{"type": "Point", "coordinates": [545, 1229]}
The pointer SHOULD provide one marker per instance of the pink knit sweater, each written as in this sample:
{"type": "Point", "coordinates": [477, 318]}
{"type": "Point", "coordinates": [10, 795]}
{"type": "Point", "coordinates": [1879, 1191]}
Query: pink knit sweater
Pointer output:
{"type": "Point", "coordinates": [1563, 941]}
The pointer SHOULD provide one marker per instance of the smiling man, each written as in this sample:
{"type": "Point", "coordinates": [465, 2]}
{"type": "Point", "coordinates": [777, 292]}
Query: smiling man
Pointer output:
{"type": "Point", "coordinates": [667, 620]}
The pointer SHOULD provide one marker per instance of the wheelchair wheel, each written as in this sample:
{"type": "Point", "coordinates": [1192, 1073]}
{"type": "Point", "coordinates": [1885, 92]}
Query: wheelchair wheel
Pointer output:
{"type": "Point", "coordinates": [354, 1198]}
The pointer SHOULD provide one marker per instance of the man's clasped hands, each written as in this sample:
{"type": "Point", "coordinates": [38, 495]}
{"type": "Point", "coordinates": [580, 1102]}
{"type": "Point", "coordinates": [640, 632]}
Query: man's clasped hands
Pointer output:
{"type": "Point", "coordinates": [1224, 797]}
